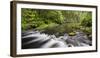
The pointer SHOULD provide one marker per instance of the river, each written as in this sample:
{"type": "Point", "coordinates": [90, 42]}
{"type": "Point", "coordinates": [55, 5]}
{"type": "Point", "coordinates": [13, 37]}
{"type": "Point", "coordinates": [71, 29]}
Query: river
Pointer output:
{"type": "Point", "coordinates": [36, 39]}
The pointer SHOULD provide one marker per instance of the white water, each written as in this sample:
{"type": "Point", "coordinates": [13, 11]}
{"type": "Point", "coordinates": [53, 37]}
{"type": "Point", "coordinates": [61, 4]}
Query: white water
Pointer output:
{"type": "Point", "coordinates": [61, 41]}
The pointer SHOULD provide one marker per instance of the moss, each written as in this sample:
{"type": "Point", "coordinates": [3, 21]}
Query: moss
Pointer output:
{"type": "Point", "coordinates": [72, 34]}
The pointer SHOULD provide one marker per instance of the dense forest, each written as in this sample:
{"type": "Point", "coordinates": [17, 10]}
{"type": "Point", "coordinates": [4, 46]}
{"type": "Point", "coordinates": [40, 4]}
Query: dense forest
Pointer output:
{"type": "Point", "coordinates": [56, 22]}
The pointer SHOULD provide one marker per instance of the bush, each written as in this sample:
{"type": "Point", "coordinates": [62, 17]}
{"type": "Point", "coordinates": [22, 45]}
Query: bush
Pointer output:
{"type": "Point", "coordinates": [87, 30]}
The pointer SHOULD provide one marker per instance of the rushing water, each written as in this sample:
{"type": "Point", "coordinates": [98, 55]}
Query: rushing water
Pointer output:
{"type": "Point", "coordinates": [35, 39]}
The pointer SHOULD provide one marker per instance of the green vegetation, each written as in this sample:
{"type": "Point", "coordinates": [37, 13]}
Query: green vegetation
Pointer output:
{"type": "Point", "coordinates": [56, 21]}
{"type": "Point", "coordinates": [72, 33]}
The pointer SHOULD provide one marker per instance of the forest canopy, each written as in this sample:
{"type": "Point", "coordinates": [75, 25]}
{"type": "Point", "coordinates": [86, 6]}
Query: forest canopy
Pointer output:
{"type": "Point", "coordinates": [56, 21]}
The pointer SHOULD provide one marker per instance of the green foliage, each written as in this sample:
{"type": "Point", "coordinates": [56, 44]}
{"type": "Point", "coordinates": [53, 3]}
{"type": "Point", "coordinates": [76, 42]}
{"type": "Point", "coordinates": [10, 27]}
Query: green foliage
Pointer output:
{"type": "Point", "coordinates": [56, 21]}
{"type": "Point", "coordinates": [87, 30]}
{"type": "Point", "coordinates": [87, 21]}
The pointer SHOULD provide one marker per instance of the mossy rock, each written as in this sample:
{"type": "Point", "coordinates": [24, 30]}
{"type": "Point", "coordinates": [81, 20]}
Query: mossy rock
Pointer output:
{"type": "Point", "coordinates": [72, 34]}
